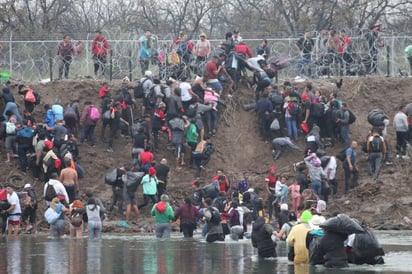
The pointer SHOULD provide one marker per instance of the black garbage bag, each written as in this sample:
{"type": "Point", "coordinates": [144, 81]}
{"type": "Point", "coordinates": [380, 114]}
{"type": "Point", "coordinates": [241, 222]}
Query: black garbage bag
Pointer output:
{"type": "Point", "coordinates": [132, 180]}
{"type": "Point", "coordinates": [342, 224]}
{"type": "Point", "coordinates": [367, 249]}
{"type": "Point", "coordinates": [376, 117]}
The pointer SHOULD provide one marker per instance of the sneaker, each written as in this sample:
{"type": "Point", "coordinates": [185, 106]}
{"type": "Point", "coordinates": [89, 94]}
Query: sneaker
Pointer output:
{"type": "Point", "coordinates": [295, 165]}
{"type": "Point", "coordinates": [109, 149]}
{"type": "Point", "coordinates": [398, 156]}
{"type": "Point", "coordinates": [405, 157]}
{"type": "Point", "coordinates": [388, 163]}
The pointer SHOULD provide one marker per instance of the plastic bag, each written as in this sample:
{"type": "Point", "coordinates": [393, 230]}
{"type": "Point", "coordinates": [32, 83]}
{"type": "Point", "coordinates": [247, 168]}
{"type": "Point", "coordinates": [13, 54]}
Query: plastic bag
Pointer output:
{"type": "Point", "coordinates": [342, 224]}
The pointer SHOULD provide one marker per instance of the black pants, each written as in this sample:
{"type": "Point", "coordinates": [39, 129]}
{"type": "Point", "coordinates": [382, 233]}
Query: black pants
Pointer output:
{"type": "Point", "coordinates": [146, 199]}
{"type": "Point", "coordinates": [401, 142]}
{"type": "Point", "coordinates": [351, 177]}
{"type": "Point", "coordinates": [64, 68]}
{"type": "Point", "coordinates": [117, 198]}
{"type": "Point", "coordinates": [187, 229]}
{"type": "Point", "coordinates": [99, 64]}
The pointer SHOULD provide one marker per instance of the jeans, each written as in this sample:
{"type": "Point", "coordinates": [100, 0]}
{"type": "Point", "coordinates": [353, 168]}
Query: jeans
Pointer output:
{"type": "Point", "coordinates": [95, 229]}
{"type": "Point", "coordinates": [12, 108]}
{"type": "Point", "coordinates": [216, 86]}
{"type": "Point", "coordinates": [162, 230]}
{"type": "Point", "coordinates": [279, 150]}
{"type": "Point", "coordinates": [344, 131]}
{"type": "Point", "coordinates": [316, 186]}
{"type": "Point", "coordinates": [99, 64]}
{"type": "Point", "coordinates": [374, 164]}
{"type": "Point", "coordinates": [58, 228]}
{"type": "Point", "coordinates": [22, 151]}
{"type": "Point", "coordinates": [304, 60]}
{"type": "Point", "coordinates": [88, 133]}
{"type": "Point", "coordinates": [64, 66]}
{"type": "Point", "coordinates": [292, 127]}
{"type": "Point", "coordinates": [211, 119]}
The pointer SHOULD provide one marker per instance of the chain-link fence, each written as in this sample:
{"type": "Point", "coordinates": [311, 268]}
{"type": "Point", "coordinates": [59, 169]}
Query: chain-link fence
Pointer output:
{"type": "Point", "coordinates": [36, 60]}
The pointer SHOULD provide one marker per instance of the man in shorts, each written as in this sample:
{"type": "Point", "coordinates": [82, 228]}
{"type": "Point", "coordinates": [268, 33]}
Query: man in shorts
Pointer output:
{"type": "Point", "coordinates": [14, 211]}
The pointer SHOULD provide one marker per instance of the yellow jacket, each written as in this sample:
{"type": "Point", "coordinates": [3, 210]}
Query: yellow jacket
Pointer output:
{"type": "Point", "coordinates": [297, 239]}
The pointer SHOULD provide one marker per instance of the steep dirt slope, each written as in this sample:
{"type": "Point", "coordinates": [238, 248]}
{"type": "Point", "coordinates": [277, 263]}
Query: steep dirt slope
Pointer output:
{"type": "Point", "coordinates": [239, 147]}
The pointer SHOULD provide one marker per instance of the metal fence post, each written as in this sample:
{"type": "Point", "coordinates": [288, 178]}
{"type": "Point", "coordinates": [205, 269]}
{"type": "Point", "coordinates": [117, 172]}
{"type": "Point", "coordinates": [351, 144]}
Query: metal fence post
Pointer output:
{"type": "Point", "coordinates": [51, 65]}
{"type": "Point", "coordinates": [87, 56]}
{"type": "Point", "coordinates": [388, 61]}
{"type": "Point", "coordinates": [130, 65]}
{"type": "Point", "coordinates": [11, 54]}
{"type": "Point", "coordinates": [111, 65]}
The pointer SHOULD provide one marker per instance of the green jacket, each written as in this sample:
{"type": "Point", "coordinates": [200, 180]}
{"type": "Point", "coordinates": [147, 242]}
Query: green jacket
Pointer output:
{"type": "Point", "coordinates": [192, 134]}
{"type": "Point", "coordinates": [164, 217]}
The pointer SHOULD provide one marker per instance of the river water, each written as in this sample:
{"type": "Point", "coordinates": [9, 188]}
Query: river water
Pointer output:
{"type": "Point", "coordinates": [146, 254]}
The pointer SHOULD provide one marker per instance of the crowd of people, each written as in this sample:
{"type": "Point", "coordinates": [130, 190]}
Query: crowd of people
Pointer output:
{"type": "Point", "coordinates": [187, 113]}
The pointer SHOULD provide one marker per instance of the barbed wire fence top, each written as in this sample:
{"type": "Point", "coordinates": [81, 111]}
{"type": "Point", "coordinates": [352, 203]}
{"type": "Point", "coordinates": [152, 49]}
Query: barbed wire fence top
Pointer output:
{"type": "Point", "coordinates": [32, 60]}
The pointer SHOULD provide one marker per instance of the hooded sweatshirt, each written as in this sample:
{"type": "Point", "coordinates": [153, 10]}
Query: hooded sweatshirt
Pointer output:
{"type": "Point", "coordinates": [163, 212]}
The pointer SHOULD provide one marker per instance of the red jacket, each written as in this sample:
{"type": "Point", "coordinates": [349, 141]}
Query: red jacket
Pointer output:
{"type": "Point", "coordinates": [100, 46]}
{"type": "Point", "coordinates": [244, 49]}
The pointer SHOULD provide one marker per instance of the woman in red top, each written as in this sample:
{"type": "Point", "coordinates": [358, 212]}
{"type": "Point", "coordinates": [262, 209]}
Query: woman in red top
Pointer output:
{"type": "Point", "coordinates": [100, 49]}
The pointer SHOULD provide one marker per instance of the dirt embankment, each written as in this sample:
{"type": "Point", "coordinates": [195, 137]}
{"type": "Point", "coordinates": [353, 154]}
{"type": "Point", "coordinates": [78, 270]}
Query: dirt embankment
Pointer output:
{"type": "Point", "coordinates": [239, 148]}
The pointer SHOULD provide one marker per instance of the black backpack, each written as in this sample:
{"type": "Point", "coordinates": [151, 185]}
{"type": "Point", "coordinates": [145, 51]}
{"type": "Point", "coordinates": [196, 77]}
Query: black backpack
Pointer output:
{"type": "Point", "coordinates": [50, 192]}
{"type": "Point", "coordinates": [276, 99]}
{"type": "Point", "coordinates": [376, 145]}
{"type": "Point", "coordinates": [215, 219]}
{"type": "Point", "coordinates": [352, 117]}
{"type": "Point", "coordinates": [138, 90]}
{"type": "Point", "coordinates": [151, 97]}
{"type": "Point", "coordinates": [37, 96]}
{"type": "Point", "coordinates": [341, 155]}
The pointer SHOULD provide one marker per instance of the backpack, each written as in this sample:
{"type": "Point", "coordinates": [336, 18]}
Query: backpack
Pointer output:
{"type": "Point", "coordinates": [138, 90]}
{"type": "Point", "coordinates": [10, 128]}
{"type": "Point", "coordinates": [191, 110]}
{"type": "Point", "coordinates": [177, 124]}
{"type": "Point", "coordinates": [50, 193]}
{"type": "Point", "coordinates": [151, 97]}
{"type": "Point", "coordinates": [215, 219]}
{"type": "Point", "coordinates": [276, 99]}
{"type": "Point", "coordinates": [352, 117]}
{"type": "Point", "coordinates": [293, 108]}
{"type": "Point", "coordinates": [38, 97]}
{"type": "Point", "coordinates": [318, 110]}
{"type": "Point", "coordinates": [376, 144]}
{"type": "Point", "coordinates": [94, 113]}
{"type": "Point", "coordinates": [70, 111]}
{"type": "Point", "coordinates": [341, 155]}
{"type": "Point", "coordinates": [29, 96]}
